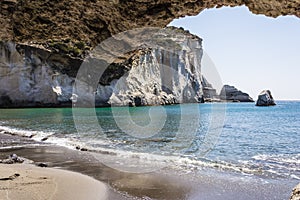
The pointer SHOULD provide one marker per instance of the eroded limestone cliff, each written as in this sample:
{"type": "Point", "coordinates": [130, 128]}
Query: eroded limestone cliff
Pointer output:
{"type": "Point", "coordinates": [31, 75]}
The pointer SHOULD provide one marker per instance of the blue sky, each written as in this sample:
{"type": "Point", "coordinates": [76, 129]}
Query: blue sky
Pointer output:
{"type": "Point", "coordinates": [251, 52]}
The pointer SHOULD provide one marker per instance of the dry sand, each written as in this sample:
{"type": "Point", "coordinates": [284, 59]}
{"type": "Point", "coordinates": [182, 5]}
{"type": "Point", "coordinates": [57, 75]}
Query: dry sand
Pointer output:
{"type": "Point", "coordinates": [28, 182]}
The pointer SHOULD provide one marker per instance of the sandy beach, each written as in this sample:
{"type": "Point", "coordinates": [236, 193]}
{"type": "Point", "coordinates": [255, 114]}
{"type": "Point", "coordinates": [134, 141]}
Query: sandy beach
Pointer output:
{"type": "Point", "coordinates": [24, 181]}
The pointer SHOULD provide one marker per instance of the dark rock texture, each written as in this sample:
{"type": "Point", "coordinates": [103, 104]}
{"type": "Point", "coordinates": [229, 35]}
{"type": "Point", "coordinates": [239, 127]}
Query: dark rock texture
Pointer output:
{"type": "Point", "coordinates": [265, 98]}
{"type": "Point", "coordinates": [230, 93]}
{"type": "Point", "coordinates": [44, 21]}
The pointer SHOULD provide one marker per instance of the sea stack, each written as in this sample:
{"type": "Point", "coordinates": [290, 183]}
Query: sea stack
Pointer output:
{"type": "Point", "coordinates": [265, 98]}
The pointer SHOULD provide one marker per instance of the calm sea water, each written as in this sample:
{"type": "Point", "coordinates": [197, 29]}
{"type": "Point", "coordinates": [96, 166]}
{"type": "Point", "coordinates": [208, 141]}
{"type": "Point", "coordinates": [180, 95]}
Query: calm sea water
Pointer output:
{"type": "Point", "coordinates": [235, 137]}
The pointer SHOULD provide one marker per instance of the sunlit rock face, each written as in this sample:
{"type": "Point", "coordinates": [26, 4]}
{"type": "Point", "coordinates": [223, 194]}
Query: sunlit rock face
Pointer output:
{"type": "Point", "coordinates": [30, 77]}
{"type": "Point", "coordinates": [160, 77]}
{"type": "Point", "coordinates": [34, 76]}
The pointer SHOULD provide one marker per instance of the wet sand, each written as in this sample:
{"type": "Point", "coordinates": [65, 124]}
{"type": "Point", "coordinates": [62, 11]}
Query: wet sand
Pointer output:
{"type": "Point", "coordinates": [164, 184]}
{"type": "Point", "coordinates": [121, 185]}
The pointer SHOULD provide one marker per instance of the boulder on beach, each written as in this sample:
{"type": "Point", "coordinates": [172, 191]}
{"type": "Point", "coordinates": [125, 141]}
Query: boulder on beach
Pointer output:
{"type": "Point", "coordinates": [12, 159]}
{"type": "Point", "coordinates": [296, 193]}
{"type": "Point", "coordinates": [231, 93]}
{"type": "Point", "coordinates": [265, 98]}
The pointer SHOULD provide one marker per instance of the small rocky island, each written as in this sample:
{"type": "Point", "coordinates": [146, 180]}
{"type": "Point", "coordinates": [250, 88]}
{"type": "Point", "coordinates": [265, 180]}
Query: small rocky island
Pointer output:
{"type": "Point", "coordinates": [228, 93]}
{"type": "Point", "coordinates": [265, 98]}
{"type": "Point", "coordinates": [232, 94]}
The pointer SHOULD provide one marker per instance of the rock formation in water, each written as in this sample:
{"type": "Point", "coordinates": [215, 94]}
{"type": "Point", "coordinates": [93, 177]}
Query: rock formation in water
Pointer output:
{"type": "Point", "coordinates": [32, 76]}
{"type": "Point", "coordinates": [265, 98]}
{"type": "Point", "coordinates": [296, 193]}
{"type": "Point", "coordinates": [227, 94]}
{"type": "Point", "coordinates": [232, 94]}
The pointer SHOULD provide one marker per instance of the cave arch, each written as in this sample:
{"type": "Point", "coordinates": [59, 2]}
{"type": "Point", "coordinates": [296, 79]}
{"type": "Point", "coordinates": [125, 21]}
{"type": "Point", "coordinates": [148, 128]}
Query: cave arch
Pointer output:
{"type": "Point", "coordinates": [41, 21]}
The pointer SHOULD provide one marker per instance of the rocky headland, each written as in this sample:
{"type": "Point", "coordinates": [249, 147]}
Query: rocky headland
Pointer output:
{"type": "Point", "coordinates": [168, 73]}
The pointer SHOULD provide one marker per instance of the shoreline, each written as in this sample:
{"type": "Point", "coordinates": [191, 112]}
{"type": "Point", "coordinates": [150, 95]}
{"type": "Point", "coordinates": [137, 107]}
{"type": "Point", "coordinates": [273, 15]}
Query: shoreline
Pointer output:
{"type": "Point", "coordinates": [121, 185]}
{"type": "Point", "coordinates": [164, 184]}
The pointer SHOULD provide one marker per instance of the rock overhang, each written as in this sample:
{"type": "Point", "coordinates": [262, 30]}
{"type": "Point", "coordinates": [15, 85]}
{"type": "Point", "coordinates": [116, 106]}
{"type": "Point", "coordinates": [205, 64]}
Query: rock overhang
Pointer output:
{"type": "Point", "coordinates": [90, 22]}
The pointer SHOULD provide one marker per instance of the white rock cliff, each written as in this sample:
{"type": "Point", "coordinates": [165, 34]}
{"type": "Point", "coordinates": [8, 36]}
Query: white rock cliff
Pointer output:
{"type": "Point", "coordinates": [31, 76]}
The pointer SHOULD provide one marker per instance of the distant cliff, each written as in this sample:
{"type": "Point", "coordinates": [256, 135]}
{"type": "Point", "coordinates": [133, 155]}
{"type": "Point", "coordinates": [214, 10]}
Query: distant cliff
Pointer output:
{"type": "Point", "coordinates": [32, 76]}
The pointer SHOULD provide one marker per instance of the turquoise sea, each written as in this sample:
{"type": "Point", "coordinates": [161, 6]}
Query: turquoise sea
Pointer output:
{"type": "Point", "coordinates": [238, 138]}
